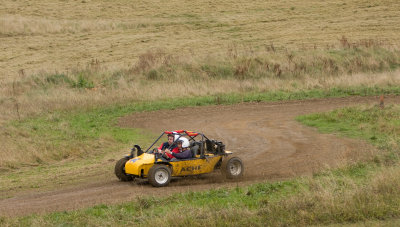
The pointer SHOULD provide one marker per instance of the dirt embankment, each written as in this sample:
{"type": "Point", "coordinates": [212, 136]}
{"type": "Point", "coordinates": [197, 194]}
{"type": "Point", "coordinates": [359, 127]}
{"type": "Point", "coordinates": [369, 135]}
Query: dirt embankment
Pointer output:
{"type": "Point", "coordinates": [265, 135]}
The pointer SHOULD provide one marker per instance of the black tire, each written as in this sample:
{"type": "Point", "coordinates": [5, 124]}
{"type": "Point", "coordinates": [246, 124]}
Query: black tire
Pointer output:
{"type": "Point", "coordinates": [159, 175]}
{"type": "Point", "coordinates": [120, 170]}
{"type": "Point", "coordinates": [232, 167]}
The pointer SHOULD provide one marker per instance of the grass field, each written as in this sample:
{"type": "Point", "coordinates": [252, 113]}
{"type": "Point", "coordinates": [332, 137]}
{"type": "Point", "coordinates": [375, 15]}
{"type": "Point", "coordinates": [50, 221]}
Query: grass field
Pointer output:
{"type": "Point", "coordinates": [59, 36]}
{"type": "Point", "coordinates": [69, 69]}
{"type": "Point", "coordinates": [364, 193]}
{"type": "Point", "coordinates": [120, 51]}
{"type": "Point", "coordinates": [98, 52]}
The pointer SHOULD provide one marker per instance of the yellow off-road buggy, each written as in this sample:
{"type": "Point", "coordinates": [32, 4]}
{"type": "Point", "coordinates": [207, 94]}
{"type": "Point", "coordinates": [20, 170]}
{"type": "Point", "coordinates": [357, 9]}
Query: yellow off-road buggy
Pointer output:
{"type": "Point", "coordinates": [207, 155]}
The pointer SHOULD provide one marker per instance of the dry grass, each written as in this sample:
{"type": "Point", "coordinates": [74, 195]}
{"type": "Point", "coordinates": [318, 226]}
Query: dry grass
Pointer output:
{"type": "Point", "coordinates": [334, 200]}
{"type": "Point", "coordinates": [16, 25]}
{"type": "Point", "coordinates": [158, 73]}
{"type": "Point", "coordinates": [59, 36]}
{"type": "Point", "coordinates": [135, 44]}
{"type": "Point", "coordinates": [66, 98]}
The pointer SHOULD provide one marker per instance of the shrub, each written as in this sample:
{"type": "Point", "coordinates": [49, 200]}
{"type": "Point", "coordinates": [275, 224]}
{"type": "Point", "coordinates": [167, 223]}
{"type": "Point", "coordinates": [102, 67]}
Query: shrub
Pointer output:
{"type": "Point", "coordinates": [82, 82]}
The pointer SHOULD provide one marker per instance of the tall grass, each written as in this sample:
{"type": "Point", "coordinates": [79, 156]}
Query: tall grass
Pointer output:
{"type": "Point", "coordinates": [157, 73]}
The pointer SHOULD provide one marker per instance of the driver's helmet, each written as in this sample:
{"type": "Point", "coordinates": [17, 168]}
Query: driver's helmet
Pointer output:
{"type": "Point", "coordinates": [184, 141]}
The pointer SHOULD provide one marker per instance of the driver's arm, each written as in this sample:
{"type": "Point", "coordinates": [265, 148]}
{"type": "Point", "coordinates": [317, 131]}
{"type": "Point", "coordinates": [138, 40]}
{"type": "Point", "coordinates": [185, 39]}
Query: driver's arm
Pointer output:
{"type": "Point", "coordinates": [160, 148]}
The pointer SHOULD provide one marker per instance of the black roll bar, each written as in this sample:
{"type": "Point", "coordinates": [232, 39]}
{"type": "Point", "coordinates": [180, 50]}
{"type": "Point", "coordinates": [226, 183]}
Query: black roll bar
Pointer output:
{"type": "Point", "coordinates": [155, 142]}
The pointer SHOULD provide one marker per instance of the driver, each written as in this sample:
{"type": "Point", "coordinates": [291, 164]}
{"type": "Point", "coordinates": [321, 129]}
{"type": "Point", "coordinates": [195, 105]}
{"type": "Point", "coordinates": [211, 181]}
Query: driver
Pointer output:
{"type": "Point", "coordinates": [167, 144]}
{"type": "Point", "coordinates": [182, 151]}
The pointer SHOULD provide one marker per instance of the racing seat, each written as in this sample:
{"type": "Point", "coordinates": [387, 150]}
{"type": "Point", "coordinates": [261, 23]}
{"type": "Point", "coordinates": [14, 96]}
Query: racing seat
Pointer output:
{"type": "Point", "coordinates": [210, 146]}
{"type": "Point", "coordinates": [195, 150]}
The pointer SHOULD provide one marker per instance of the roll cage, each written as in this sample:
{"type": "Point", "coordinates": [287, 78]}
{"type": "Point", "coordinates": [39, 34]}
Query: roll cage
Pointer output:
{"type": "Point", "coordinates": [206, 146]}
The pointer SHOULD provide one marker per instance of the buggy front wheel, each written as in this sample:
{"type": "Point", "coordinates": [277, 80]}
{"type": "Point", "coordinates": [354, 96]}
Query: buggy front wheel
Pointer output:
{"type": "Point", "coordinates": [159, 175]}
{"type": "Point", "coordinates": [232, 167]}
{"type": "Point", "coordinates": [120, 170]}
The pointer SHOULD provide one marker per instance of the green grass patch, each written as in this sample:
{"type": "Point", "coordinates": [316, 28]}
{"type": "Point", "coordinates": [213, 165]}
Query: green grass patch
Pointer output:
{"type": "Point", "coordinates": [374, 124]}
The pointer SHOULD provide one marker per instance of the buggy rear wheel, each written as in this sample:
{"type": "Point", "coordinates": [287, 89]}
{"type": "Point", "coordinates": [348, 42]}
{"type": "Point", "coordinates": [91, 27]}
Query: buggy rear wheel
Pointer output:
{"type": "Point", "coordinates": [159, 175]}
{"type": "Point", "coordinates": [232, 167]}
{"type": "Point", "coordinates": [120, 170]}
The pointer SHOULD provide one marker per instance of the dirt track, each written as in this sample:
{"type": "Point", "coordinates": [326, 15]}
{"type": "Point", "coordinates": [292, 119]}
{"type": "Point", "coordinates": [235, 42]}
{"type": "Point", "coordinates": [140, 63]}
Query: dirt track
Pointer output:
{"type": "Point", "coordinates": [265, 135]}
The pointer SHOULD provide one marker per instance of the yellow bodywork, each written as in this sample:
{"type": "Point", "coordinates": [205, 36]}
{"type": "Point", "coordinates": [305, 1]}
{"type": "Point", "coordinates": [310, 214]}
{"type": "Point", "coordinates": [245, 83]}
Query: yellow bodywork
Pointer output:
{"type": "Point", "coordinates": [141, 165]}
